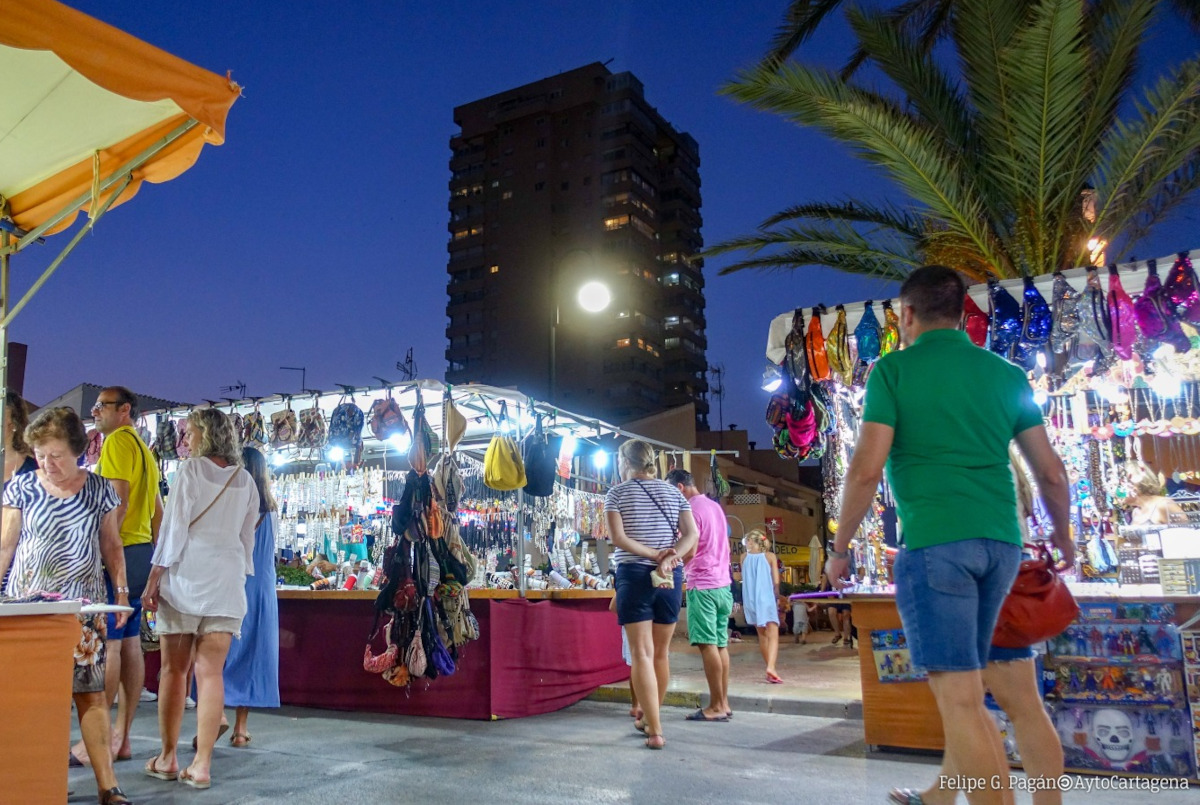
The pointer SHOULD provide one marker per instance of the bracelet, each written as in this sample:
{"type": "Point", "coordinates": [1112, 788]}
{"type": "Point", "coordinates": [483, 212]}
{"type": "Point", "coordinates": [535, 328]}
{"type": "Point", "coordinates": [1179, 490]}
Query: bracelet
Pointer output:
{"type": "Point", "coordinates": [833, 554]}
{"type": "Point", "coordinates": [121, 590]}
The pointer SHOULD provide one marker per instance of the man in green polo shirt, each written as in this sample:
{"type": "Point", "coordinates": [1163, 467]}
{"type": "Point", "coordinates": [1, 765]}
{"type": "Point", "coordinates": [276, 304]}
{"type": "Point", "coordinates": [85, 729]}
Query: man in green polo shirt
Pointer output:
{"type": "Point", "coordinates": [941, 414]}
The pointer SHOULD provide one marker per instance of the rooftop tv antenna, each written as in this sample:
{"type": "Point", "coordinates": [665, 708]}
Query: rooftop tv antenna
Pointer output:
{"type": "Point", "coordinates": [407, 367]}
{"type": "Point", "coordinates": [717, 390]}
{"type": "Point", "coordinates": [303, 375]}
{"type": "Point", "coordinates": [239, 387]}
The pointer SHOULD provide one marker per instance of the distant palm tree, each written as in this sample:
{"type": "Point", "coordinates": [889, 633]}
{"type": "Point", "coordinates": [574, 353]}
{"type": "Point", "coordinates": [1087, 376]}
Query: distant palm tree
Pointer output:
{"type": "Point", "coordinates": [1013, 166]}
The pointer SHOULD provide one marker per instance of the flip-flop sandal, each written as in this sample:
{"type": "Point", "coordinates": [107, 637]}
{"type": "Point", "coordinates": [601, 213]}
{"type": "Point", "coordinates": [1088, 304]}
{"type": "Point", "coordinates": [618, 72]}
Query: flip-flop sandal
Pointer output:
{"type": "Point", "coordinates": [699, 716]}
{"type": "Point", "coordinates": [905, 796]}
{"type": "Point", "coordinates": [186, 778]}
{"type": "Point", "coordinates": [774, 679]}
{"type": "Point", "coordinates": [652, 744]}
{"type": "Point", "coordinates": [221, 730]}
{"type": "Point", "coordinates": [245, 736]}
{"type": "Point", "coordinates": [151, 770]}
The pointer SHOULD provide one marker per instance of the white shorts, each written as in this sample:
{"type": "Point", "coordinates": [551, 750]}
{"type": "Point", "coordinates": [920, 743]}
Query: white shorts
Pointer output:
{"type": "Point", "coordinates": [169, 620]}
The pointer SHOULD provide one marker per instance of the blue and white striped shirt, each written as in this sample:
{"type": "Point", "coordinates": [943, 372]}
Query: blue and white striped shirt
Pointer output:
{"type": "Point", "coordinates": [649, 512]}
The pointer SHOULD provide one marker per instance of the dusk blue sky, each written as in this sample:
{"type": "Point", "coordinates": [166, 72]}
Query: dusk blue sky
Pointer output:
{"type": "Point", "coordinates": [316, 236]}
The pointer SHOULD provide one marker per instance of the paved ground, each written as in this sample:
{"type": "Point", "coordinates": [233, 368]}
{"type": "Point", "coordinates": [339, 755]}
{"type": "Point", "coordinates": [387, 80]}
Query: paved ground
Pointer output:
{"type": "Point", "coordinates": [586, 753]}
{"type": "Point", "coordinates": [819, 679]}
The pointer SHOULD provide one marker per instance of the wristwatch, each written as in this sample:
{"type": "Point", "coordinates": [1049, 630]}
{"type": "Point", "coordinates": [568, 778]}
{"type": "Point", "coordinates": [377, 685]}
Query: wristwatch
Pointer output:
{"type": "Point", "coordinates": [121, 590]}
{"type": "Point", "coordinates": [839, 554]}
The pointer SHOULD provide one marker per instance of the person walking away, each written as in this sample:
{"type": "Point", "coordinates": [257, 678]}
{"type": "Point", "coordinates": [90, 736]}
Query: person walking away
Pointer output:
{"type": "Point", "coordinates": [945, 445]}
{"type": "Point", "coordinates": [709, 597]}
{"type": "Point", "coordinates": [59, 523]}
{"type": "Point", "coordinates": [18, 456]}
{"type": "Point", "coordinates": [651, 527]}
{"type": "Point", "coordinates": [130, 466]}
{"type": "Point", "coordinates": [252, 667]}
{"type": "Point", "coordinates": [197, 587]}
{"type": "Point", "coordinates": [760, 588]}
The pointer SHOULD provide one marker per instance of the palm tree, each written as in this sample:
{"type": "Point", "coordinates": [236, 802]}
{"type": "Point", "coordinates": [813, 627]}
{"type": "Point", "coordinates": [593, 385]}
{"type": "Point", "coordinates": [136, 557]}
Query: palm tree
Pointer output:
{"type": "Point", "coordinates": [1038, 149]}
{"type": "Point", "coordinates": [929, 21]}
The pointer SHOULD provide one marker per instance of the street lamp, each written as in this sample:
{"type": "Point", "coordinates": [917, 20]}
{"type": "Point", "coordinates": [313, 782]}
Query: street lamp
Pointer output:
{"type": "Point", "coordinates": [593, 297]}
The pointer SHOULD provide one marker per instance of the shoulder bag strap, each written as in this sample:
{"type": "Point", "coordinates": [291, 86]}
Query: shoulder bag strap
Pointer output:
{"type": "Point", "coordinates": [675, 525]}
{"type": "Point", "coordinates": [196, 519]}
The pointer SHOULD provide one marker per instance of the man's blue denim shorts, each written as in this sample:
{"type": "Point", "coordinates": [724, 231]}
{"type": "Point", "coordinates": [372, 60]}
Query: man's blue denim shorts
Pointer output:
{"type": "Point", "coordinates": [949, 596]}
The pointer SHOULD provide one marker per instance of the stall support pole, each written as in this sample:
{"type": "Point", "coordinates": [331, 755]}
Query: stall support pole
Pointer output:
{"type": "Point", "coordinates": [520, 552]}
{"type": "Point", "coordinates": [4, 266]}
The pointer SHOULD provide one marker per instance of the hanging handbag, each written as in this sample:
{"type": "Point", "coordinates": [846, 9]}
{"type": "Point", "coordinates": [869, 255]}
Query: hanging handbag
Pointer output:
{"type": "Point", "coordinates": [975, 322]}
{"type": "Point", "coordinates": [1035, 326]}
{"type": "Point", "coordinates": [889, 339]}
{"type": "Point", "coordinates": [503, 469]}
{"type": "Point", "coordinates": [837, 347]}
{"type": "Point", "coordinates": [1038, 607]}
{"type": "Point", "coordinates": [814, 347]}
{"type": "Point", "coordinates": [414, 656]}
{"type": "Point", "coordinates": [312, 427]}
{"type": "Point", "coordinates": [1064, 314]}
{"type": "Point", "coordinates": [1181, 289]}
{"type": "Point", "coordinates": [1006, 320]}
{"type": "Point", "coordinates": [384, 661]}
{"type": "Point", "coordinates": [283, 426]}
{"type": "Point", "coordinates": [867, 335]}
{"type": "Point", "coordinates": [1122, 315]}
{"type": "Point", "coordinates": [539, 455]}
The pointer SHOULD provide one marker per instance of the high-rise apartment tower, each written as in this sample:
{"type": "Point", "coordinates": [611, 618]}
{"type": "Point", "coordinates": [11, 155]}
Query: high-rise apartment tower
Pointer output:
{"type": "Point", "coordinates": [571, 180]}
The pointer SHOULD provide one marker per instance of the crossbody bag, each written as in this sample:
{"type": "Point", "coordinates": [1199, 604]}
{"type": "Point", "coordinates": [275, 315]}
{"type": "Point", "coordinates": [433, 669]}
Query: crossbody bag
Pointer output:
{"type": "Point", "coordinates": [655, 578]}
{"type": "Point", "coordinates": [196, 519]}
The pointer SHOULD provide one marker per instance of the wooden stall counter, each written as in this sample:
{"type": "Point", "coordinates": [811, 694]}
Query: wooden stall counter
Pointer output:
{"type": "Point", "coordinates": [37, 645]}
{"type": "Point", "coordinates": [535, 655]}
{"type": "Point", "coordinates": [903, 713]}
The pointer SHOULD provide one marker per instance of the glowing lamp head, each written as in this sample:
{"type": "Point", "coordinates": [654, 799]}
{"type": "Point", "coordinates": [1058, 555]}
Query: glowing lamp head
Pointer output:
{"type": "Point", "coordinates": [400, 442]}
{"type": "Point", "coordinates": [337, 453]}
{"type": "Point", "coordinates": [594, 296]}
{"type": "Point", "coordinates": [600, 459]}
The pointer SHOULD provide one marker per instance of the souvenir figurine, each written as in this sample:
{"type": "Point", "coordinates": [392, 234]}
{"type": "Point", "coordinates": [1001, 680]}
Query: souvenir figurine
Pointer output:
{"type": "Point", "coordinates": [1153, 742]}
{"type": "Point", "coordinates": [1165, 642]}
{"type": "Point", "coordinates": [1091, 680]}
{"type": "Point", "coordinates": [1114, 642]}
{"type": "Point", "coordinates": [1096, 638]}
{"type": "Point", "coordinates": [1110, 681]}
{"type": "Point", "coordinates": [1128, 647]}
{"type": "Point", "coordinates": [1165, 683]}
{"type": "Point", "coordinates": [1145, 644]}
{"type": "Point", "coordinates": [1076, 683]}
{"type": "Point", "coordinates": [1081, 645]}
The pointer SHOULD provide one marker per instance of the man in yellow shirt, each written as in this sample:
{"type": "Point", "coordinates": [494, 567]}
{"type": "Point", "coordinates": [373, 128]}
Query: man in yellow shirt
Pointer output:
{"type": "Point", "coordinates": [130, 466]}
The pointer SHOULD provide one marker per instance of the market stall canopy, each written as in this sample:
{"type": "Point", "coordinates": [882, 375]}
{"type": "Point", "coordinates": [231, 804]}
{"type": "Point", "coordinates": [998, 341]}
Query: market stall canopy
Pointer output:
{"type": "Point", "coordinates": [1133, 279]}
{"type": "Point", "coordinates": [83, 103]}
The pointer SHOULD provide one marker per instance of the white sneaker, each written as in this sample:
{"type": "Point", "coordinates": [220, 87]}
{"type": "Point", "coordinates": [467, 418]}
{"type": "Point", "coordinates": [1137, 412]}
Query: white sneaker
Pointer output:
{"type": "Point", "coordinates": [189, 703]}
{"type": "Point", "coordinates": [148, 696]}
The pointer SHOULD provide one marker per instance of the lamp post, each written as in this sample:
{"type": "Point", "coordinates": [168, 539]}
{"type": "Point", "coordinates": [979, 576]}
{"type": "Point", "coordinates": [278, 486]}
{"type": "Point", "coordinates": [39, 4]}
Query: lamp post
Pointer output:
{"type": "Point", "coordinates": [593, 297]}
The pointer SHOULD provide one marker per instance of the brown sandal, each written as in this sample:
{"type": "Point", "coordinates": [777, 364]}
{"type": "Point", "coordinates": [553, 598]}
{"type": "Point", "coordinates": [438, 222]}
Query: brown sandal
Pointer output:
{"type": "Point", "coordinates": [114, 796]}
{"type": "Point", "coordinates": [652, 743]}
{"type": "Point", "coordinates": [245, 738]}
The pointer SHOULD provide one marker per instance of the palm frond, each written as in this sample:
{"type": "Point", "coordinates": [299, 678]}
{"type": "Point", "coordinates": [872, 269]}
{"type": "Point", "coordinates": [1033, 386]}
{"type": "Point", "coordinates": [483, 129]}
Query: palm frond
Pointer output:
{"type": "Point", "coordinates": [927, 89]}
{"type": "Point", "coordinates": [885, 215]}
{"type": "Point", "coordinates": [800, 21]}
{"type": "Point", "coordinates": [1047, 61]}
{"type": "Point", "coordinates": [1189, 10]}
{"type": "Point", "coordinates": [1172, 192]}
{"type": "Point", "coordinates": [882, 134]}
{"type": "Point", "coordinates": [928, 21]}
{"type": "Point", "coordinates": [1139, 155]}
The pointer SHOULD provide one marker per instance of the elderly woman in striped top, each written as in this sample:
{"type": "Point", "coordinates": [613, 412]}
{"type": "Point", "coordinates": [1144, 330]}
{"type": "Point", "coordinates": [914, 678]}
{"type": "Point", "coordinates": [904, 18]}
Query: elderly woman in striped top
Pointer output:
{"type": "Point", "coordinates": [653, 532]}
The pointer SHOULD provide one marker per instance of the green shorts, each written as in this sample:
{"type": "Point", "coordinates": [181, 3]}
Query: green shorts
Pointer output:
{"type": "Point", "coordinates": [708, 614]}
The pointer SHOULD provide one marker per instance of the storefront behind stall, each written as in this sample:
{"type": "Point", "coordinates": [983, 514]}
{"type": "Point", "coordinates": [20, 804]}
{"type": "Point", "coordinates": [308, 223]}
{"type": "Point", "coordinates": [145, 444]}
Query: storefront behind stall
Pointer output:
{"type": "Point", "coordinates": [1129, 664]}
{"type": "Point", "coordinates": [543, 636]}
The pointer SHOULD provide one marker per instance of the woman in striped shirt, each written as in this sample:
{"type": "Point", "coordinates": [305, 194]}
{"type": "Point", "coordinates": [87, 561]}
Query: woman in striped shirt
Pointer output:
{"type": "Point", "coordinates": [653, 532]}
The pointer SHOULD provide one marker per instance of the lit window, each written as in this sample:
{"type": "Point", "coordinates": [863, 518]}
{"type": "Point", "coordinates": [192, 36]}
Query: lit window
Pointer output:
{"type": "Point", "coordinates": [494, 270]}
{"type": "Point", "coordinates": [671, 279]}
{"type": "Point", "coordinates": [462, 233]}
{"type": "Point", "coordinates": [622, 342]}
{"type": "Point", "coordinates": [624, 314]}
{"type": "Point", "coordinates": [616, 222]}
{"type": "Point", "coordinates": [506, 195]}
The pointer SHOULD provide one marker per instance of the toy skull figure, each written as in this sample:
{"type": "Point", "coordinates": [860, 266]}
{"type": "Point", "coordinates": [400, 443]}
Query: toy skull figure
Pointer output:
{"type": "Point", "coordinates": [1113, 731]}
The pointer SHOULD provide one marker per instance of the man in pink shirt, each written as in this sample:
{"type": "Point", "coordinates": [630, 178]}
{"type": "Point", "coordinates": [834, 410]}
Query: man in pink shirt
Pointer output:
{"type": "Point", "coordinates": [709, 598]}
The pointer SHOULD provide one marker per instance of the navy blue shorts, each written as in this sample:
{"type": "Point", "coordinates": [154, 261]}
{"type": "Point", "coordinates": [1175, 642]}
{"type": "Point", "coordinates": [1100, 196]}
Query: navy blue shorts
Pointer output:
{"type": "Point", "coordinates": [638, 600]}
{"type": "Point", "coordinates": [133, 626]}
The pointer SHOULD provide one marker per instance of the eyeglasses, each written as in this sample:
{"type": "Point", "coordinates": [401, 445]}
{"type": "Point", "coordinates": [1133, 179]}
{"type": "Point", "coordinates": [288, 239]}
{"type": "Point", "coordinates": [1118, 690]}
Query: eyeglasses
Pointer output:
{"type": "Point", "coordinates": [99, 406]}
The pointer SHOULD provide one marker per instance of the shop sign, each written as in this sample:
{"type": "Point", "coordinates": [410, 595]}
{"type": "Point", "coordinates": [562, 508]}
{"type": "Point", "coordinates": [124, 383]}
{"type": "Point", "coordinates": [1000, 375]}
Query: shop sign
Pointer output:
{"type": "Point", "coordinates": [774, 526]}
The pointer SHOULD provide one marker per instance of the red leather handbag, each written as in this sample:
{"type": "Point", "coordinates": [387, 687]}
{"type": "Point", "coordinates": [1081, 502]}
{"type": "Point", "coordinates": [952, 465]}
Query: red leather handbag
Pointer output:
{"type": "Point", "coordinates": [1038, 607]}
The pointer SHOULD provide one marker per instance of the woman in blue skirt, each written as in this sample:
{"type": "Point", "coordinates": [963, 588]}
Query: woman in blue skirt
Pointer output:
{"type": "Point", "coordinates": [252, 670]}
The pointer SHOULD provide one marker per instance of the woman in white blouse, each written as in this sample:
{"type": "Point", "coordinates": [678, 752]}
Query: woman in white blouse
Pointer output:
{"type": "Point", "coordinates": [197, 586]}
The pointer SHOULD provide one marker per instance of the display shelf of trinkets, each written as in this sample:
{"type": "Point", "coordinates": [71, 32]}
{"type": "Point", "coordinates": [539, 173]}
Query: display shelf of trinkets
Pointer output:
{"type": "Point", "coordinates": [1140, 556]}
{"type": "Point", "coordinates": [1114, 686]}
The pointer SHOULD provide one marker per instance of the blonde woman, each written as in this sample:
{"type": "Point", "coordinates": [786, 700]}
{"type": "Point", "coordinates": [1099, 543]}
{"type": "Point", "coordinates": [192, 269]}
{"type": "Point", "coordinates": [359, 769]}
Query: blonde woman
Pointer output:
{"type": "Point", "coordinates": [760, 589]}
{"type": "Point", "coordinates": [197, 586]}
{"type": "Point", "coordinates": [653, 531]}
{"type": "Point", "coordinates": [1151, 505]}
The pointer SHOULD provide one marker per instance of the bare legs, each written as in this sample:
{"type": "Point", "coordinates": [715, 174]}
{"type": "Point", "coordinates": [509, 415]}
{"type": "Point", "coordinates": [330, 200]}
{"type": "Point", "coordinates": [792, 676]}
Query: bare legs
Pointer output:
{"type": "Point", "coordinates": [768, 645]}
{"type": "Point", "coordinates": [716, 672]}
{"type": "Point", "coordinates": [125, 671]}
{"type": "Point", "coordinates": [210, 651]}
{"type": "Point", "coordinates": [241, 735]}
{"type": "Point", "coordinates": [650, 649]}
{"type": "Point", "coordinates": [1015, 688]}
{"type": "Point", "coordinates": [96, 728]}
{"type": "Point", "coordinates": [973, 744]}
